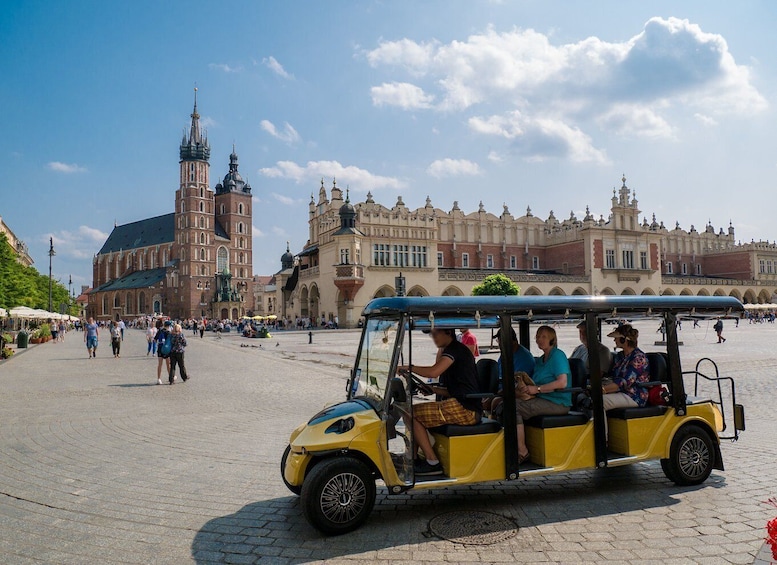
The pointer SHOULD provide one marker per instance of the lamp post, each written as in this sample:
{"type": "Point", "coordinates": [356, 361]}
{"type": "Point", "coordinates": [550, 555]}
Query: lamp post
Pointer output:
{"type": "Point", "coordinates": [399, 285]}
{"type": "Point", "coordinates": [51, 255]}
{"type": "Point", "coordinates": [69, 292]}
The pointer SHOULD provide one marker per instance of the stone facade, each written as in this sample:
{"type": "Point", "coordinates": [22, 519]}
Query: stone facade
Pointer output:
{"type": "Point", "coordinates": [355, 252]}
{"type": "Point", "coordinates": [193, 263]}
{"type": "Point", "coordinates": [19, 247]}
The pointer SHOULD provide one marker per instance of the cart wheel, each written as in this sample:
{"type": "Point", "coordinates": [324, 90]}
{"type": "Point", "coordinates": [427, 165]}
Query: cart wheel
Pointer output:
{"type": "Point", "coordinates": [691, 457]}
{"type": "Point", "coordinates": [338, 495]}
{"type": "Point", "coordinates": [293, 488]}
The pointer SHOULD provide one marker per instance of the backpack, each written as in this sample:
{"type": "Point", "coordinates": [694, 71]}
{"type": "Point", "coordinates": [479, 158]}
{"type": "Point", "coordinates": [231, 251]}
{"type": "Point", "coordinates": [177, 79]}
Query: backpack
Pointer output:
{"type": "Point", "coordinates": [167, 344]}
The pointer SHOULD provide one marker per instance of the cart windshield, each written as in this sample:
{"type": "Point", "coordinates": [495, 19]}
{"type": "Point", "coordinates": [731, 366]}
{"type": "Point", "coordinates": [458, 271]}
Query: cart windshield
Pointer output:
{"type": "Point", "coordinates": [376, 355]}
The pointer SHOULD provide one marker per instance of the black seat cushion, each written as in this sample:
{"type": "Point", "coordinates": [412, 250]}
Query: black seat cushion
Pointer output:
{"type": "Point", "coordinates": [579, 373]}
{"type": "Point", "coordinates": [485, 426]}
{"type": "Point", "coordinates": [633, 413]}
{"type": "Point", "coordinates": [658, 367]}
{"type": "Point", "coordinates": [547, 422]}
{"type": "Point", "coordinates": [488, 375]}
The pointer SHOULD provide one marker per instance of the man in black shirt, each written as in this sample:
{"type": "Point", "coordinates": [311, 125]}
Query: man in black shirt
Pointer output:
{"type": "Point", "coordinates": [455, 367]}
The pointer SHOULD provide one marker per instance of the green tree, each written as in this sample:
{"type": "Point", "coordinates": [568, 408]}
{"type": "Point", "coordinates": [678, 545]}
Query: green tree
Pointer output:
{"type": "Point", "coordinates": [496, 285]}
{"type": "Point", "coordinates": [25, 286]}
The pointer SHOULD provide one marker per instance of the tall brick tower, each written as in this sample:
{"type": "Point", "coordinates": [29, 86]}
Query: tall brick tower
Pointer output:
{"type": "Point", "coordinates": [194, 246]}
{"type": "Point", "coordinates": [234, 272]}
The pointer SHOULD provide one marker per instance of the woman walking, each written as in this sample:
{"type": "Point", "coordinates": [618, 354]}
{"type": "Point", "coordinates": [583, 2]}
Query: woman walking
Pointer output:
{"type": "Point", "coordinates": [162, 335]}
{"type": "Point", "coordinates": [176, 354]}
{"type": "Point", "coordinates": [116, 339]}
{"type": "Point", "coordinates": [150, 335]}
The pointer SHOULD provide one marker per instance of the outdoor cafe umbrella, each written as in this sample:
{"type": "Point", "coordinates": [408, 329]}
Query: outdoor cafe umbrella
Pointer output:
{"type": "Point", "coordinates": [3, 313]}
{"type": "Point", "coordinates": [23, 312]}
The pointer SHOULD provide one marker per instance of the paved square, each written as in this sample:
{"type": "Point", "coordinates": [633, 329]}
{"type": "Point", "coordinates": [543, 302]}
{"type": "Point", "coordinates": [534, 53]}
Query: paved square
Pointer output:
{"type": "Point", "coordinates": [98, 464]}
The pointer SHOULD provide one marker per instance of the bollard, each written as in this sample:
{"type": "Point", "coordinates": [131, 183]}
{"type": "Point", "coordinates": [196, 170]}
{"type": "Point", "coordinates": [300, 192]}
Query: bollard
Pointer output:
{"type": "Point", "coordinates": [310, 338]}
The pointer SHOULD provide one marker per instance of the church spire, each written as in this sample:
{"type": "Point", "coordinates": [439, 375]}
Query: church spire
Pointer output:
{"type": "Point", "coordinates": [196, 147]}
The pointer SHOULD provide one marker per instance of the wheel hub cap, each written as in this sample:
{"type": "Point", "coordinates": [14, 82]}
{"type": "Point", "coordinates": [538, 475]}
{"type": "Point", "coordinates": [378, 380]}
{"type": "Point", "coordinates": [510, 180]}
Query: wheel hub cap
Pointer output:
{"type": "Point", "coordinates": [344, 496]}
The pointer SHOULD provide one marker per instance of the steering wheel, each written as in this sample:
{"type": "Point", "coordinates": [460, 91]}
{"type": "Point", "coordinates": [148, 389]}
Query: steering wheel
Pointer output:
{"type": "Point", "coordinates": [419, 384]}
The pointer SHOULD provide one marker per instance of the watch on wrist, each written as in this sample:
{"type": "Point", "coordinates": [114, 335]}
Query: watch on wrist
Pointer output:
{"type": "Point", "coordinates": [539, 390]}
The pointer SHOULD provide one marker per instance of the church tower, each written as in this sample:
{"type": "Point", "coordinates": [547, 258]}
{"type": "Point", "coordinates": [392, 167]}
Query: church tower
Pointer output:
{"type": "Point", "coordinates": [194, 226]}
{"type": "Point", "coordinates": [234, 260]}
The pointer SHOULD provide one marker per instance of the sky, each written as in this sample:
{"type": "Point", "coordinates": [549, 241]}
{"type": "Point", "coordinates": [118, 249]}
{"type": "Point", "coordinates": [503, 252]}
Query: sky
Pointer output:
{"type": "Point", "coordinates": [528, 103]}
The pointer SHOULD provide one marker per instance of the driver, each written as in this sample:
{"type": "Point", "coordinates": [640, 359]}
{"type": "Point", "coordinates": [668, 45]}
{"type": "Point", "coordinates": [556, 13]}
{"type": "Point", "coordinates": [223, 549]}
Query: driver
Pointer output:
{"type": "Point", "coordinates": [455, 367]}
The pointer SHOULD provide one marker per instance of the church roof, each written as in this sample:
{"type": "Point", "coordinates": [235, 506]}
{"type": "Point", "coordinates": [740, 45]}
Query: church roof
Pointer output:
{"type": "Point", "coordinates": [220, 231]}
{"type": "Point", "coordinates": [143, 233]}
{"type": "Point", "coordinates": [138, 279]}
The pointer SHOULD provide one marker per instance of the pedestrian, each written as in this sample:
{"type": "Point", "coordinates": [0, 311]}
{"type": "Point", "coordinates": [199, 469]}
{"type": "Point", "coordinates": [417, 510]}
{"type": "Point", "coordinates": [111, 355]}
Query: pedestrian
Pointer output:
{"type": "Point", "coordinates": [116, 339]}
{"type": "Point", "coordinates": [91, 334]}
{"type": "Point", "coordinates": [469, 339]}
{"type": "Point", "coordinates": [718, 327]}
{"type": "Point", "coordinates": [150, 335]}
{"type": "Point", "coordinates": [202, 328]}
{"type": "Point", "coordinates": [62, 330]}
{"type": "Point", "coordinates": [122, 327]}
{"type": "Point", "coordinates": [162, 348]}
{"type": "Point", "coordinates": [176, 354]}
{"type": "Point", "coordinates": [54, 328]}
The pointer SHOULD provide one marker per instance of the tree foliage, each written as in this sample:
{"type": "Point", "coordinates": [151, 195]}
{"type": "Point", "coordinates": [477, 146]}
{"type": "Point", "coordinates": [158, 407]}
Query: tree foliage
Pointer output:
{"type": "Point", "coordinates": [496, 285]}
{"type": "Point", "coordinates": [25, 286]}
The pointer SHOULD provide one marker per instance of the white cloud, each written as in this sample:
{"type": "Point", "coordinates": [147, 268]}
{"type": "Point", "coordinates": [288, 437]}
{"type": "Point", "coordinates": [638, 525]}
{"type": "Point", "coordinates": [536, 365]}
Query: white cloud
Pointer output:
{"type": "Point", "coordinates": [225, 68]}
{"type": "Point", "coordinates": [273, 64]}
{"type": "Point", "coordinates": [256, 232]}
{"type": "Point", "coordinates": [288, 134]}
{"type": "Point", "coordinates": [634, 87]}
{"type": "Point", "coordinates": [633, 120]}
{"type": "Point", "coordinates": [537, 139]}
{"type": "Point", "coordinates": [82, 243]}
{"type": "Point", "coordinates": [279, 231]}
{"type": "Point", "coordinates": [706, 120]}
{"type": "Point", "coordinates": [494, 157]}
{"type": "Point", "coordinates": [208, 122]}
{"type": "Point", "coordinates": [452, 168]}
{"type": "Point", "coordinates": [287, 200]}
{"type": "Point", "coordinates": [403, 94]}
{"type": "Point", "coordinates": [67, 168]}
{"type": "Point", "coordinates": [359, 179]}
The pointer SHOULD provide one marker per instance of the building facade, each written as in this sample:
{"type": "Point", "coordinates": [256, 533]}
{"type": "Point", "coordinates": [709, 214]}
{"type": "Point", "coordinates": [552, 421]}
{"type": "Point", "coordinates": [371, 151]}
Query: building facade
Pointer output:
{"type": "Point", "coordinates": [19, 247]}
{"type": "Point", "coordinates": [195, 262]}
{"type": "Point", "coordinates": [355, 252]}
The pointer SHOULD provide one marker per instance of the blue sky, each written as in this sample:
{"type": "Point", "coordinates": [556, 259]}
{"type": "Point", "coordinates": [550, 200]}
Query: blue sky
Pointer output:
{"type": "Point", "coordinates": [534, 103]}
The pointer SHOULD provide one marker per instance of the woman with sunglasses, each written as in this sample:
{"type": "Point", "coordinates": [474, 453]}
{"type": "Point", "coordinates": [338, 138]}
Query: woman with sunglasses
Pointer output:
{"type": "Point", "coordinates": [629, 369]}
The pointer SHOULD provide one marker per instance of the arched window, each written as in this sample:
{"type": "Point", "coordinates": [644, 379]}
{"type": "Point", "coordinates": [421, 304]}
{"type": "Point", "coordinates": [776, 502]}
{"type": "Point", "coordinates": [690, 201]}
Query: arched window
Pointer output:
{"type": "Point", "coordinates": [202, 270]}
{"type": "Point", "coordinates": [222, 259]}
{"type": "Point", "coordinates": [191, 172]}
{"type": "Point", "coordinates": [142, 303]}
{"type": "Point", "coordinates": [202, 192]}
{"type": "Point", "coordinates": [240, 208]}
{"type": "Point", "coordinates": [240, 243]}
{"type": "Point", "coordinates": [183, 254]}
{"type": "Point", "coordinates": [183, 206]}
{"type": "Point", "coordinates": [202, 206]}
{"type": "Point", "coordinates": [164, 257]}
{"type": "Point", "coordinates": [129, 303]}
{"type": "Point", "coordinates": [116, 301]}
{"type": "Point", "coordinates": [202, 221]}
{"type": "Point", "coordinates": [240, 227]}
{"type": "Point", "coordinates": [222, 209]}
{"type": "Point", "coordinates": [199, 284]}
{"type": "Point", "coordinates": [240, 258]}
{"type": "Point", "coordinates": [241, 272]}
{"type": "Point", "coordinates": [202, 254]}
{"type": "Point", "coordinates": [202, 238]}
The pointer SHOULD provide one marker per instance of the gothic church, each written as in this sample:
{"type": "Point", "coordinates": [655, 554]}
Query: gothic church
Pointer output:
{"type": "Point", "coordinates": [193, 263]}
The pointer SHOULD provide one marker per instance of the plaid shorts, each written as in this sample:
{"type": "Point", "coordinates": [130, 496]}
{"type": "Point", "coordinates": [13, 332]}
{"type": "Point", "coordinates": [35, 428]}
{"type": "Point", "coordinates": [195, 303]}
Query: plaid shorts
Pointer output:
{"type": "Point", "coordinates": [450, 411]}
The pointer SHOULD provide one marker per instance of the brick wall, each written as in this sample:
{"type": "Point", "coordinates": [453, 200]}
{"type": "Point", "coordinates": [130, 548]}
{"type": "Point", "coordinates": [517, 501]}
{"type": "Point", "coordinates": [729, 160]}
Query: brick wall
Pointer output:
{"type": "Point", "coordinates": [572, 253]}
{"type": "Point", "coordinates": [731, 265]}
{"type": "Point", "coordinates": [598, 254]}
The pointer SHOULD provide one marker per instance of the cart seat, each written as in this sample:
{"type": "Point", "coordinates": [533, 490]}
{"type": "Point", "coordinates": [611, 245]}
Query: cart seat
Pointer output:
{"type": "Point", "coordinates": [486, 426]}
{"type": "Point", "coordinates": [547, 422]}
{"type": "Point", "coordinates": [634, 413]}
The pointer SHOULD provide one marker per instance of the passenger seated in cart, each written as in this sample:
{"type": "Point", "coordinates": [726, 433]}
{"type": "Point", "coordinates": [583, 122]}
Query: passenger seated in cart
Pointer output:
{"type": "Point", "coordinates": [523, 361]}
{"type": "Point", "coordinates": [551, 373]}
{"type": "Point", "coordinates": [629, 369]}
{"type": "Point", "coordinates": [455, 367]}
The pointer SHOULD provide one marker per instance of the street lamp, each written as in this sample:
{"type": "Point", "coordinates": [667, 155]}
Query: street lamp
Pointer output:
{"type": "Point", "coordinates": [69, 292]}
{"type": "Point", "coordinates": [399, 285]}
{"type": "Point", "coordinates": [51, 255]}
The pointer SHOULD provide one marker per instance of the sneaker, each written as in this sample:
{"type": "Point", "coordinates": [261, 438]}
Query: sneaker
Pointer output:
{"type": "Point", "coordinates": [159, 381]}
{"type": "Point", "coordinates": [424, 469]}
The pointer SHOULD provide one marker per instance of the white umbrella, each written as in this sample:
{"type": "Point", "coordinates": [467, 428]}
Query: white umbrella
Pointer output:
{"type": "Point", "coordinates": [22, 312]}
{"type": "Point", "coordinates": [3, 312]}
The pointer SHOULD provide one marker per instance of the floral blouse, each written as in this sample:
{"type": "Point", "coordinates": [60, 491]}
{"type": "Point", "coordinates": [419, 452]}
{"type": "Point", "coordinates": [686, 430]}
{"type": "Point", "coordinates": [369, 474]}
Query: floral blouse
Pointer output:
{"type": "Point", "coordinates": [628, 370]}
{"type": "Point", "coordinates": [179, 343]}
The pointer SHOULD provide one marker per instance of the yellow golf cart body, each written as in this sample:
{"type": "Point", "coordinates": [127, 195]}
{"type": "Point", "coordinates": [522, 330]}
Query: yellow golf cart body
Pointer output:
{"type": "Point", "coordinates": [334, 460]}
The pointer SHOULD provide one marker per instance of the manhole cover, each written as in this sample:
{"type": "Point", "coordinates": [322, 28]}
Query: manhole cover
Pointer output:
{"type": "Point", "coordinates": [473, 528]}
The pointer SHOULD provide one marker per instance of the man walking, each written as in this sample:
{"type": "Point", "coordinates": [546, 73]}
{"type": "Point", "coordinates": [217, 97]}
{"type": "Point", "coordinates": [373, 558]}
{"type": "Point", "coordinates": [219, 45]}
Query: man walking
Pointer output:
{"type": "Point", "coordinates": [90, 337]}
{"type": "Point", "coordinates": [718, 327]}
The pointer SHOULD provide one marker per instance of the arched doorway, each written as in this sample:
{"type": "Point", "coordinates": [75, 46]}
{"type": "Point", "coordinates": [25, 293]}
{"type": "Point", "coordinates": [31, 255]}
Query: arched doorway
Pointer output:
{"type": "Point", "coordinates": [667, 292]}
{"type": "Point", "coordinates": [579, 291]}
{"type": "Point", "coordinates": [686, 292]}
{"type": "Point", "coordinates": [315, 302]}
{"type": "Point", "coordinates": [556, 291]}
{"type": "Point", "coordinates": [750, 296]}
{"type": "Point", "coordinates": [648, 292]}
{"type": "Point", "coordinates": [417, 291]}
{"type": "Point", "coordinates": [304, 307]}
{"type": "Point", "coordinates": [235, 314]}
{"type": "Point", "coordinates": [384, 292]}
{"type": "Point", "coordinates": [157, 306]}
{"type": "Point", "coordinates": [224, 314]}
{"type": "Point", "coordinates": [452, 291]}
{"type": "Point", "coordinates": [532, 291]}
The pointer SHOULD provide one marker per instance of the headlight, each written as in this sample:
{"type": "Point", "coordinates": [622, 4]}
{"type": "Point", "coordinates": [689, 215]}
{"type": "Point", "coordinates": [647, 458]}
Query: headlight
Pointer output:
{"type": "Point", "coordinates": [340, 426]}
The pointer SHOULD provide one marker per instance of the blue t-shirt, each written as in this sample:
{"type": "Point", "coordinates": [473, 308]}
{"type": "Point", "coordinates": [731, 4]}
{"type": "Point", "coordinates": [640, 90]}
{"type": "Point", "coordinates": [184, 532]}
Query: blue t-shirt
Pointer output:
{"type": "Point", "coordinates": [545, 372]}
{"type": "Point", "coordinates": [91, 330]}
{"type": "Point", "coordinates": [523, 360]}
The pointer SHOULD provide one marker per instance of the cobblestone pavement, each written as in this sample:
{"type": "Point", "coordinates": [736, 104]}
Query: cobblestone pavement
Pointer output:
{"type": "Point", "coordinates": [100, 465]}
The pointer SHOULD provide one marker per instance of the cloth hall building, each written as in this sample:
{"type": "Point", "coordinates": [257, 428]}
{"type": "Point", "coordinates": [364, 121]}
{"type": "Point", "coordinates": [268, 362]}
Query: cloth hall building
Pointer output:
{"type": "Point", "coordinates": [192, 263]}
{"type": "Point", "coordinates": [355, 251]}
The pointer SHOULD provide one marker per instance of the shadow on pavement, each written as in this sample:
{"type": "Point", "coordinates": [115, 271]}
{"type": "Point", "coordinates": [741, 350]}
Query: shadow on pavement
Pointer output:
{"type": "Point", "coordinates": [276, 528]}
{"type": "Point", "coordinates": [134, 385]}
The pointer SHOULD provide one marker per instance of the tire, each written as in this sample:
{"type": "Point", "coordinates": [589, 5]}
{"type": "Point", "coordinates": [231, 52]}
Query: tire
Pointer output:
{"type": "Point", "coordinates": [338, 495]}
{"type": "Point", "coordinates": [293, 488]}
{"type": "Point", "coordinates": [691, 457]}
